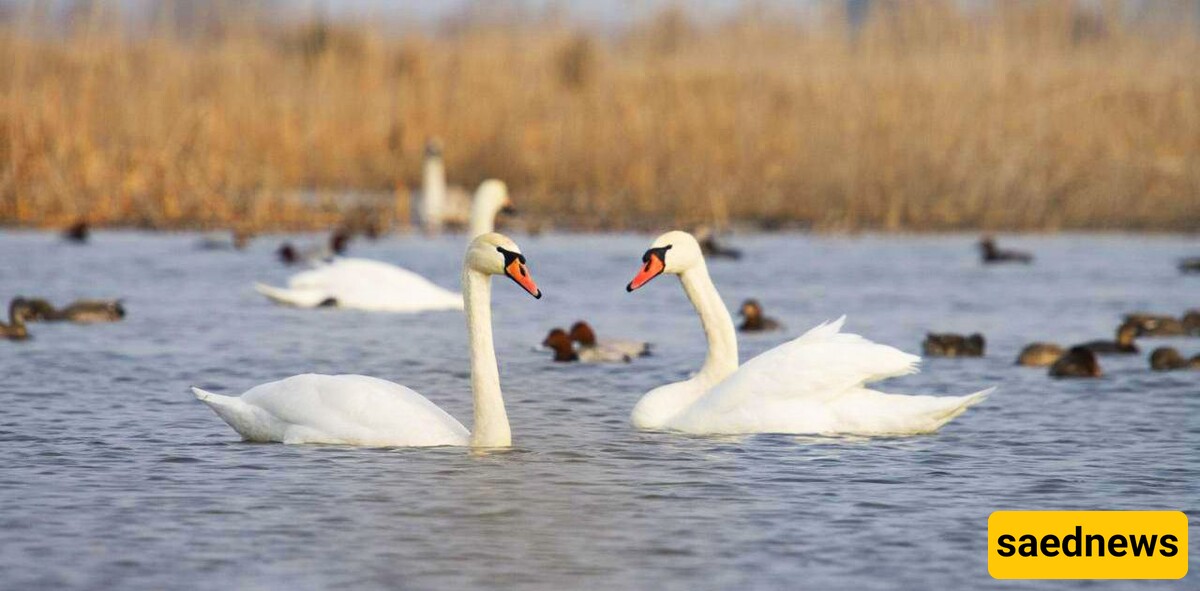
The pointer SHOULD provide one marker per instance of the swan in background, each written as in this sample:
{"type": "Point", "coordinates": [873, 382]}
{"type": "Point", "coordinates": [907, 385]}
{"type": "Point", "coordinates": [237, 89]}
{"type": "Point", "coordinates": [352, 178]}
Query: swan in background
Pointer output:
{"type": "Point", "coordinates": [365, 284]}
{"type": "Point", "coordinates": [436, 203]}
{"type": "Point", "coordinates": [361, 410]}
{"type": "Point", "coordinates": [813, 384]}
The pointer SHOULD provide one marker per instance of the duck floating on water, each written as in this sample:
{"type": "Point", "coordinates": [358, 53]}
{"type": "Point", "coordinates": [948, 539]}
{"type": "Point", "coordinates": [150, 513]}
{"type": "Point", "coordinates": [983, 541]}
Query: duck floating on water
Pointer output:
{"type": "Point", "coordinates": [18, 313]}
{"type": "Point", "coordinates": [712, 248]}
{"type": "Point", "coordinates": [993, 254]}
{"type": "Point", "coordinates": [79, 311]}
{"type": "Point", "coordinates": [1039, 354]}
{"type": "Point", "coordinates": [78, 232]}
{"type": "Point", "coordinates": [1078, 362]}
{"type": "Point", "coordinates": [953, 345]}
{"type": "Point", "coordinates": [1169, 359]}
{"type": "Point", "coordinates": [1124, 344]}
{"type": "Point", "coordinates": [1190, 265]}
{"type": "Point", "coordinates": [753, 319]}
{"type": "Point", "coordinates": [582, 334]}
{"type": "Point", "coordinates": [1156, 325]}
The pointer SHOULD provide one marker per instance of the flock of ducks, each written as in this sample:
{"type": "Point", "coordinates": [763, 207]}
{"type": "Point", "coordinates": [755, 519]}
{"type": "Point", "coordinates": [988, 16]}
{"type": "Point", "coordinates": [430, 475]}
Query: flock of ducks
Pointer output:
{"type": "Point", "coordinates": [1080, 360]}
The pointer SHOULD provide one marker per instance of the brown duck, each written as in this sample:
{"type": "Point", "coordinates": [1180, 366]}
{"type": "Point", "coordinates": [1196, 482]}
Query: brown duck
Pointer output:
{"type": "Point", "coordinates": [1078, 362]}
{"type": "Point", "coordinates": [753, 319]}
{"type": "Point", "coordinates": [18, 313]}
{"type": "Point", "coordinates": [953, 345]}
{"type": "Point", "coordinates": [1122, 346]}
{"type": "Point", "coordinates": [1039, 354]}
{"type": "Point", "coordinates": [80, 311]}
{"type": "Point", "coordinates": [1169, 359]}
{"type": "Point", "coordinates": [1156, 325]}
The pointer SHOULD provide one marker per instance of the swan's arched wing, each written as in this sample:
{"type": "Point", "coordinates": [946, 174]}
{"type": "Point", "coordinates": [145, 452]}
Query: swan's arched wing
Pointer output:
{"type": "Point", "coordinates": [358, 410]}
{"type": "Point", "coordinates": [822, 364]}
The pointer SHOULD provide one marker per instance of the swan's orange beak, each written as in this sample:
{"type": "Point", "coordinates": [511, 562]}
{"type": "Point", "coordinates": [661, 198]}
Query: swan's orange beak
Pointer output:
{"type": "Point", "coordinates": [653, 267]}
{"type": "Point", "coordinates": [517, 271]}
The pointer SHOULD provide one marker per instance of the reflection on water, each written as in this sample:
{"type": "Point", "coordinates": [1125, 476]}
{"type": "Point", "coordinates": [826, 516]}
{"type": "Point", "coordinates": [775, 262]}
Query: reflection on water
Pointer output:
{"type": "Point", "coordinates": [112, 475]}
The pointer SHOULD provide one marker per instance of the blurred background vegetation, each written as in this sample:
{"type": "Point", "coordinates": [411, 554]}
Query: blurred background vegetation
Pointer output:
{"type": "Point", "coordinates": [895, 115]}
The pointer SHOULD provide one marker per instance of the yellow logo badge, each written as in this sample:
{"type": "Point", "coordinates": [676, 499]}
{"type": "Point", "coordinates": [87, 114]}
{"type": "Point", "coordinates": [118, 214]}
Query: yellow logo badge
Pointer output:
{"type": "Point", "coordinates": [1088, 545]}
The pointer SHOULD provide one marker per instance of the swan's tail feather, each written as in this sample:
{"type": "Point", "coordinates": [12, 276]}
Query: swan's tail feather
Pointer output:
{"type": "Point", "coordinates": [962, 403]}
{"type": "Point", "coordinates": [212, 399]}
{"type": "Point", "coordinates": [291, 297]}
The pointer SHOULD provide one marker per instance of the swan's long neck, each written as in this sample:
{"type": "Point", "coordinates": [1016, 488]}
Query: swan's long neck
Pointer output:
{"type": "Point", "coordinates": [722, 358]}
{"type": "Point", "coordinates": [483, 217]}
{"type": "Point", "coordinates": [433, 190]}
{"type": "Point", "coordinates": [490, 428]}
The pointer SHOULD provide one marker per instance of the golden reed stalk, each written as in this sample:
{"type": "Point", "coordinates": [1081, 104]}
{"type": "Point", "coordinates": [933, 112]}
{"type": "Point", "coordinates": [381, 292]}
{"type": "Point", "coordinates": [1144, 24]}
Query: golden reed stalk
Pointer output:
{"type": "Point", "coordinates": [1035, 116]}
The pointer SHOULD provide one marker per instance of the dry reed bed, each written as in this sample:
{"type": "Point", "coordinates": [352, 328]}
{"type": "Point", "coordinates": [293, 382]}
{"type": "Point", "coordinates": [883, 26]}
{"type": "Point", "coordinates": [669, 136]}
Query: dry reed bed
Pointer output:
{"type": "Point", "coordinates": [1030, 119]}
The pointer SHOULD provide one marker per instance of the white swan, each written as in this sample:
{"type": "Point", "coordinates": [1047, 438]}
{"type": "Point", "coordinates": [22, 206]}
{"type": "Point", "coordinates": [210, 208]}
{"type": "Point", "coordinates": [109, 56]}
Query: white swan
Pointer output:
{"type": "Point", "coordinates": [361, 410]}
{"type": "Point", "coordinates": [813, 384]}
{"type": "Point", "coordinates": [438, 203]}
{"type": "Point", "coordinates": [364, 284]}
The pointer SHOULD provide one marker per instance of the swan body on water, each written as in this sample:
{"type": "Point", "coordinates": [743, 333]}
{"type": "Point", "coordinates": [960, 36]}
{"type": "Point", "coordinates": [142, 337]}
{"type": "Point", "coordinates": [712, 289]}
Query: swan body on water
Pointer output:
{"type": "Point", "coordinates": [365, 284]}
{"type": "Point", "coordinates": [815, 384]}
{"type": "Point", "coordinates": [361, 410]}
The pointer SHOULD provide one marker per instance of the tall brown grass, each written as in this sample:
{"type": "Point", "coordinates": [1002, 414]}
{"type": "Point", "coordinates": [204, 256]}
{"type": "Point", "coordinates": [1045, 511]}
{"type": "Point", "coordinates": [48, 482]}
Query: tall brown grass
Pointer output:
{"type": "Point", "coordinates": [1035, 116]}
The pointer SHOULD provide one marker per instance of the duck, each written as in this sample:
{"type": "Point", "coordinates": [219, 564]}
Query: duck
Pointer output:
{"type": "Point", "coordinates": [560, 343]}
{"type": "Point", "coordinates": [1039, 354]}
{"type": "Point", "coordinates": [367, 411]}
{"type": "Point", "coordinates": [1191, 322]}
{"type": "Point", "coordinates": [1077, 362]}
{"type": "Point", "coordinates": [1156, 325]}
{"type": "Point", "coordinates": [753, 319]}
{"type": "Point", "coordinates": [437, 204]}
{"type": "Point", "coordinates": [79, 311]}
{"type": "Point", "coordinates": [16, 330]}
{"type": "Point", "coordinates": [36, 309]}
{"type": "Point", "coordinates": [366, 284]}
{"type": "Point", "coordinates": [92, 311]}
{"type": "Point", "coordinates": [78, 232]}
{"type": "Point", "coordinates": [1190, 265]}
{"type": "Point", "coordinates": [1169, 359]}
{"type": "Point", "coordinates": [815, 384]}
{"type": "Point", "coordinates": [712, 248]}
{"type": "Point", "coordinates": [565, 351]}
{"type": "Point", "coordinates": [616, 349]}
{"type": "Point", "coordinates": [1124, 344]}
{"type": "Point", "coordinates": [993, 254]}
{"type": "Point", "coordinates": [953, 345]}
{"type": "Point", "coordinates": [289, 254]}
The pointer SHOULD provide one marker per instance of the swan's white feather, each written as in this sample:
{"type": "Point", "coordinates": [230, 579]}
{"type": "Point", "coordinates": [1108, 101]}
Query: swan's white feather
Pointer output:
{"type": "Point", "coordinates": [338, 409]}
{"type": "Point", "coordinates": [364, 284]}
{"type": "Point", "coordinates": [815, 384]}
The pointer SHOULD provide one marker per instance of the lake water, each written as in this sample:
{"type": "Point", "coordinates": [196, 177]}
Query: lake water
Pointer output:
{"type": "Point", "coordinates": [113, 476]}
